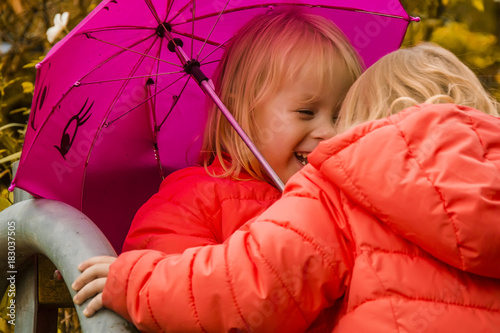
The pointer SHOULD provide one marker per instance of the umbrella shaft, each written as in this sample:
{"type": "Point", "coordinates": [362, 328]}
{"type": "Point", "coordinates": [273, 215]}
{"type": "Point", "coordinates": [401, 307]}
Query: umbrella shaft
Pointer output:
{"type": "Point", "coordinates": [183, 57]}
{"type": "Point", "coordinates": [208, 89]}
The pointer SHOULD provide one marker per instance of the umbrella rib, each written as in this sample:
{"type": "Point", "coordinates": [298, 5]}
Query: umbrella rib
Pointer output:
{"type": "Point", "coordinates": [130, 50]}
{"type": "Point", "coordinates": [181, 11]}
{"type": "Point", "coordinates": [175, 102]}
{"type": "Point", "coordinates": [213, 51]}
{"type": "Point", "coordinates": [194, 37]}
{"type": "Point", "coordinates": [111, 58]}
{"type": "Point", "coordinates": [153, 114]}
{"type": "Point", "coordinates": [352, 9]}
{"type": "Point", "coordinates": [156, 88]}
{"type": "Point", "coordinates": [114, 28]}
{"type": "Point", "coordinates": [131, 77]}
{"type": "Point", "coordinates": [213, 28]}
{"type": "Point", "coordinates": [209, 62]}
{"type": "Point", "coordinates": [192, 29]}
{"type": "Point", "coordinates": [153, 11]}
{"type": "Point", "coordinates": [169, 7]}
{"type": "Point", "coordinates": [147, 99]}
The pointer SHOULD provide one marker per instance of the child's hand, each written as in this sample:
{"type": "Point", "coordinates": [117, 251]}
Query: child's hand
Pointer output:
{"type": "Point", "coordinates": [91, 282]}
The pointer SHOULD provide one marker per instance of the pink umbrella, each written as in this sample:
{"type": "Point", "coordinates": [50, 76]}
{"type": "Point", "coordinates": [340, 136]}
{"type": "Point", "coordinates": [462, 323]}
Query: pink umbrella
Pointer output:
{"type": "Point", "coordinates": [118, 104]}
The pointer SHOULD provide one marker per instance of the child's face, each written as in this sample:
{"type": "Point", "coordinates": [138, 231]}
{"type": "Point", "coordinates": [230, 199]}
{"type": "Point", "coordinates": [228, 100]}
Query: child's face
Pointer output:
{"type": "Point", "coordinates": [289, 127]}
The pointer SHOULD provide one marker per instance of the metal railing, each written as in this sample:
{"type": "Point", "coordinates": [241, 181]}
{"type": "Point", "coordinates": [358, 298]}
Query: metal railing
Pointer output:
{"type": "Point", "coordinates": [67, 237]}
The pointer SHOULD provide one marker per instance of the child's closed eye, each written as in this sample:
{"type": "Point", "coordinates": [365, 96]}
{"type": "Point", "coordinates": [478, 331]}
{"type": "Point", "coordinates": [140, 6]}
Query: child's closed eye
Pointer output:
{"type": "Point", "coordinates": [306, 113]}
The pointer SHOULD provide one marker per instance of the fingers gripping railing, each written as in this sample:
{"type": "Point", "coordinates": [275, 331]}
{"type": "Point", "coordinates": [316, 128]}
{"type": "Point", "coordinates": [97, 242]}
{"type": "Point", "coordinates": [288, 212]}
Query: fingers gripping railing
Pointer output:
{"type": "Point", "coordinates": [67, 237]}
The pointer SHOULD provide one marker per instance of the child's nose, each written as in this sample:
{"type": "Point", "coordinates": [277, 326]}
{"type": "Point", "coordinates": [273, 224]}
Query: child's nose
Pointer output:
{"type": "Point", "coordinates": [323, 130]}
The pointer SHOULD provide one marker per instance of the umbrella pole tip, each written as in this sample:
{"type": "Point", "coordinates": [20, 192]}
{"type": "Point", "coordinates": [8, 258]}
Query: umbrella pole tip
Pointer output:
{"type": "Point", "coordinates": [415, 19]}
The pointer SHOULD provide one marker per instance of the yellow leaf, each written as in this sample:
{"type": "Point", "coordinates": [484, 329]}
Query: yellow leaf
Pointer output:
{"type": "Point", "coordinates": [30, 65]}
{"type": "Point", "coordinates": [33, 63]}
{"type": "Point", "coordinates": [445, 2]}
{"type": "Point", "coordinates": [478, 4]}
{"type": "Point", "coordinates": [24, 110]}
{"type": "Point", "coordinates": [4, 311]}
{"type": "Point", "coordinates": [28, 87]}
{"type": "Point", "coordinates": [4, 203]}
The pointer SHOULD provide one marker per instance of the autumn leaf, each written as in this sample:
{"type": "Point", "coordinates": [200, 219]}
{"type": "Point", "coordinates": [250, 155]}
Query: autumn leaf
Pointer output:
{"type": "Point", "coordinates": [28, 87]}
{"type": "Point", "coordinates": [478, 4]}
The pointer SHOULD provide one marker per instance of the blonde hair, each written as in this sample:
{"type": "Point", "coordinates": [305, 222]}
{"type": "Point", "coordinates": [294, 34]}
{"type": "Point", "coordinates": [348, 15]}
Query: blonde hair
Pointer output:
{"type": "Point", "coordinates": [265, 54]}
{"type": "Point", "coordinates": [425, 73]}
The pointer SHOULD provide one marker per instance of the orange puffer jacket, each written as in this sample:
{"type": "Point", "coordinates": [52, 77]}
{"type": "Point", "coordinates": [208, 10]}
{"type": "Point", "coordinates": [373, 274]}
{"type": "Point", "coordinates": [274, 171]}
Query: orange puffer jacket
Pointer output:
{"type": "Point", "coordinates": [394, 225]}
{"type": "Point", "coordinates": [193, 208]}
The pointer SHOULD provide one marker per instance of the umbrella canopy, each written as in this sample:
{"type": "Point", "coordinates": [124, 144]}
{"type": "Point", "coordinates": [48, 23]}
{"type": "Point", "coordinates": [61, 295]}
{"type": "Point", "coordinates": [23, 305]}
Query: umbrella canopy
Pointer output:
{"type": "Point", "coordinates": [115, 110]}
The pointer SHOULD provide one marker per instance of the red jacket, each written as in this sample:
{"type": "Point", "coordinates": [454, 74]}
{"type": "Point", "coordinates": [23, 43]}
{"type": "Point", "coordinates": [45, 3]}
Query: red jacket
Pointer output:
{"type": "Point", "coordinates": [195, 209]}
{"type": "Point", "coordinates": [394, 225]}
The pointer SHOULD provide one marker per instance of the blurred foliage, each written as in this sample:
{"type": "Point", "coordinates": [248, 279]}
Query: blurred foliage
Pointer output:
{"type": "Point", "coordinates": [468, 28]}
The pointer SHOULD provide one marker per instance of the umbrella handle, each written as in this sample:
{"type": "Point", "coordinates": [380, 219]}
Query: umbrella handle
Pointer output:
{"type": "Point", "coordinates": [205, 85]}
{"type": "Point", "coordinates": [67, 237]}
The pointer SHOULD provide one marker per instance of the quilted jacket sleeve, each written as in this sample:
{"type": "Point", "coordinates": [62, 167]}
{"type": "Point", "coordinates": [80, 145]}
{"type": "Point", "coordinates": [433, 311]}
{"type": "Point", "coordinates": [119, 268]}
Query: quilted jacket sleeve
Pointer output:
{"type": "Point", "coordinates": [275, 274]}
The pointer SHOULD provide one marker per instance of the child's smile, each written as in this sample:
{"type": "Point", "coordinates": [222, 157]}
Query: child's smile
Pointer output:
{"type": "Point", "coordinates": [302, 157]}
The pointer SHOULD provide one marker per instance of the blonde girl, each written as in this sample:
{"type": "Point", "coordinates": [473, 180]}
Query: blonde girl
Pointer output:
{"type": "Point", "coordinates": [425, 73]}
{"type": "Point", "coordinates": [266, 57]}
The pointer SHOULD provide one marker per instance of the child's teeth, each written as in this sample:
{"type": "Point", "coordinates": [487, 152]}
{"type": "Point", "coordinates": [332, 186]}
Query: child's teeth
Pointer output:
{"type": "Point", "coordinates": [302, 157]}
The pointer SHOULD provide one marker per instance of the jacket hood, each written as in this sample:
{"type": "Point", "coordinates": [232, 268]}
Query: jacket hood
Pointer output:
{"type": "Point", "coordinates": [432, 174]}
